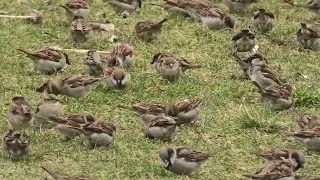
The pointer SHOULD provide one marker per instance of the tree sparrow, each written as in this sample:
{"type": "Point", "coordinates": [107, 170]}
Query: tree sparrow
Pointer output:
{"type": "Point", "coordinates": [52, 175]}
{"type": "Point", "coordinates": [16, 143]}
{"type": "Point", "coordinates": [50, 106]}
{"type": "Point", "coordinates": [277, 97]}
{"type": "Point", "coordinates": [69, 124]}
{"type": "Point", "coordinates": [213, 18]}
{"type": "Point", "coordinates": [263, 20]}
{"type": "Point", "coordinates": [149, 30]}
{"type": "Point", "coordinates": [125, 7]}
{"type": "Point", "coordinates": [75, 86]}
{"type": "Point", "coordinates": [238, 5]}
{"type": "Point", "coordinates": [243, 41]}
{"type": "Point", "coordinates": [308, 37]}
{"type": "Point", "coordinates": [80, 30]}
{"type": "Point", "coordinates": [20, 113]}
{"type": "Point", "coordinates": [76, 8]}
{"type": "Point", "coordinates": [310, 138]}
{"type": "Point", "coordinates": [182, 160]}
{"type": "Point", "coordinates": [48, 61]}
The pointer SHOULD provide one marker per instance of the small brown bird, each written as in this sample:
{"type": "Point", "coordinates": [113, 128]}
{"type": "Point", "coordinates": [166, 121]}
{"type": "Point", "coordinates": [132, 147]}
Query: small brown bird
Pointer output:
{"type": "Point", "coordinates": [16, 143]}
{"type": "Point", "coordinates": [116, 77]}
{"type": "Point", "coordinates": [308, 37]}
{"type": "Point", "coordinates": [306, 121]}
{"type": "Point", "coordinates": [313, 5]}
{"type": "Point", "coordinates": [20, 113]}
{"type": "Point", "coordinates": [75, 8]}
{"type": "Point", "coordinates": [238, 5]}
{"type": "Point", "coordinates": [277, 97]}
{"type": "Point", "coordinates": [243, 41]}
{"type": "Point", "coordinates": [182, 160]}
{"type": "Point", "coordinates": [75, 86]}
{"type": "Point", "coordinates": [243, 65]}
{"type": "Point", "coordinates": [125, 7]}
{"type": "Point", "coordinates": [80, 30]}
{"type": "Point", "coordinates": [213, 18]}
{"type": "Point", "coordinates": [125, 52]}
{"type": "Point", "coordinates": [149, 30]}
{"type": "Point", "coordinates": [310, 138]}
{"type": "Point", "coordinates": [93, 63]}
{"type": "Point", "coordinates": [53, 176]}
{"type": "Point", "coordinates": [263, 20]}
{"type": "Point", "coordinates": [48, 60]}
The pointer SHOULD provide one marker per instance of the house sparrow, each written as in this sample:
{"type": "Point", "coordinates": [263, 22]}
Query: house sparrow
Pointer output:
{"type": "Point", "coordinates": [168, 67]}
{"type": "Point", "coordinates": [180, 6]}
{"type": "Point", "coordinates": [276, 169]}
{"type": "Point", "coordinates": [16, 143]}
{"type": "Point", "coordinates": [20, 113]}
{"type": "Point", "coordinates": [260, 72]}
{"type": "Point", "coordinates": [160, 127]}
{"type": "Point", "coordinates": [125, 52]}
{"type": "Point", "coordinates": [50, 106]}
{"type": "Point", "coordinates": [182, 160]}
{"type": "Point", "coordinates": [98, 134]}
{"type": "Point", "coordinates": [116, 77]}
{"type": "Point", "coordinates": [310, 138]}
{"type": "Point", "coordinates": [125, 7]}
{"type": "Point", "coordinates": [77, 86]}
{"type": "Point", "coordinates": [76, 8]}
{"type": "Point", "coordinates": [69, 124]}
{"type": "Point", "coordinates": [308, 37]}
{"type": "Point", "coordinates": [80, 30]}
{"type": "Point", "coordinates": [213, 18]}
{"type": "Point", "coordinates": [243, 65]}
{"type": "Point", "coordinates": [243, 41]}
{"type": "Point", "coordinates": [306, 121]}
{"type": "Point", "coordinates": [149, 30]}
{"type": "Point", "coordinates": [238, 5]}
{"type": "Point", "coordinates": [263, 20]}
{"type": "Point", "coordinates": [47, 60]}
{"type": "Point", "coordinates": [54, 176]}
{"type": "Point", "coordinates": [297, 157]}
{"type": "Point", "coordinates": [277, 97]}
{"type": "Point", "coordinates": [313, 5]}
{"type": "Point", "coordinates": [93, 63]}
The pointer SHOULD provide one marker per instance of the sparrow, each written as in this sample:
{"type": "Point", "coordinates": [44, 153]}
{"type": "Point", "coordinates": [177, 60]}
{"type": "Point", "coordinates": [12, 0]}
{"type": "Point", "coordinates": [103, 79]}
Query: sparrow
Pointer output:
{"type": "Point", "coordinates": [76, 8]}
{"type": "Point", "coordinates": [263, 20]}
{"type": "Point", "coordinates": [277, 169]}
{"type": "Point", "coordinates": [310, 138]}
{"type": "Point", "coordinates": [77, 86]}
{"type": "Point", "coordinates": [243, 65]}
{"type": "Point", "coordinates": [308, 37]}
{"type": "Point", "coordinates": [20, 113]}
{"type": "Point", "coordinates": [125, 52]}
{"type": "Point", "coordinates": [48, 60]}
{"type": "Point", "coordinates": [116, 77]}
{"type": "Point", "coordinates": [93, 63]}
{"type": "Point", "coordinates": [125, 7]}
{"type": "Point", "coordinates": [313, 5]}
{"type": "Point", "coordinates": [306, 121]}
{"type": "Point", "coordinates": [16, 143]}
{"type": "Point", "coordinates": [213, 18]}
{"type": "Point", "coordinates": [54, 176]}
{"type": "Point", "coordinates": [260, 72]}
{"type": "Point", "coordinates": [80, 30]}
{"type": "Point", "coordinates": [243, 41]}
{"type": "Point", "coordinates": [297, 157]}
{"type": "Point", "coordinates": [238, 5]}
{"type": "Point", "coordinates": [160, 127]}
{"type": "Point", "coordinates": [180, 6]}
{"type": "Point", "coordinates": [182, 160]}
{"type": "Point", "coordinates": [168, 67]}
{"type": "Point", "coordinates": [50, 106]}
{"type": "Point", "coordinates": [277, 97]}
{"type": "Point", "coordinates": [149, 30]}
{"type": "Point", "coordinates": [185, 111]}
{"type": "Point", "coordinates": [98, 134]}
{"type": "Point", "coordinates": [69, 124]}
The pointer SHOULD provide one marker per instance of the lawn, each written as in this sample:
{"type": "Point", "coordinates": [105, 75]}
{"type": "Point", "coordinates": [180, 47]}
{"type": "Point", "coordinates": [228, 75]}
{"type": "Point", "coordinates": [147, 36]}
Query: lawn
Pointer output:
{"type": "Point", "coordinates": [232, 116]}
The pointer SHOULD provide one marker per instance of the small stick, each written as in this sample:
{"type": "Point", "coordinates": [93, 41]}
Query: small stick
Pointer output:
{"type": "Point", "coordinates": [82, 51]}
{"type": "Point", "coordinates": [35, 16]}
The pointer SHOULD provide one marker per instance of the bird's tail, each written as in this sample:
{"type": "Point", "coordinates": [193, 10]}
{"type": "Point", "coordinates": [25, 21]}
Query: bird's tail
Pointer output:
{"type": "Point", "coordinates": [50, 173]}
{"type": "Point", "coordinates": [159, 24]}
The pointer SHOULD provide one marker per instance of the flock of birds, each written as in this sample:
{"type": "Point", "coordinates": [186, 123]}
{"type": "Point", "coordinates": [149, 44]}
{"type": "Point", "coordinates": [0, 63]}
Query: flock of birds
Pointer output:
{"type": "Point", "coordinates": [161, 120]}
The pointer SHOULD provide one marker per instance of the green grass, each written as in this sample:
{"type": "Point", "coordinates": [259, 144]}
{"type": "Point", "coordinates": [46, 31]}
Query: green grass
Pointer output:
{"type": "Point", "coordinates": [227, 118]}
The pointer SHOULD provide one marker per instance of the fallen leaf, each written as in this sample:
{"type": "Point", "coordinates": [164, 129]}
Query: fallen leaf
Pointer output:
{"type": "Point", "coordinates": [102, 26]}
{"type": "Point", "coordinates": [4, 12]}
